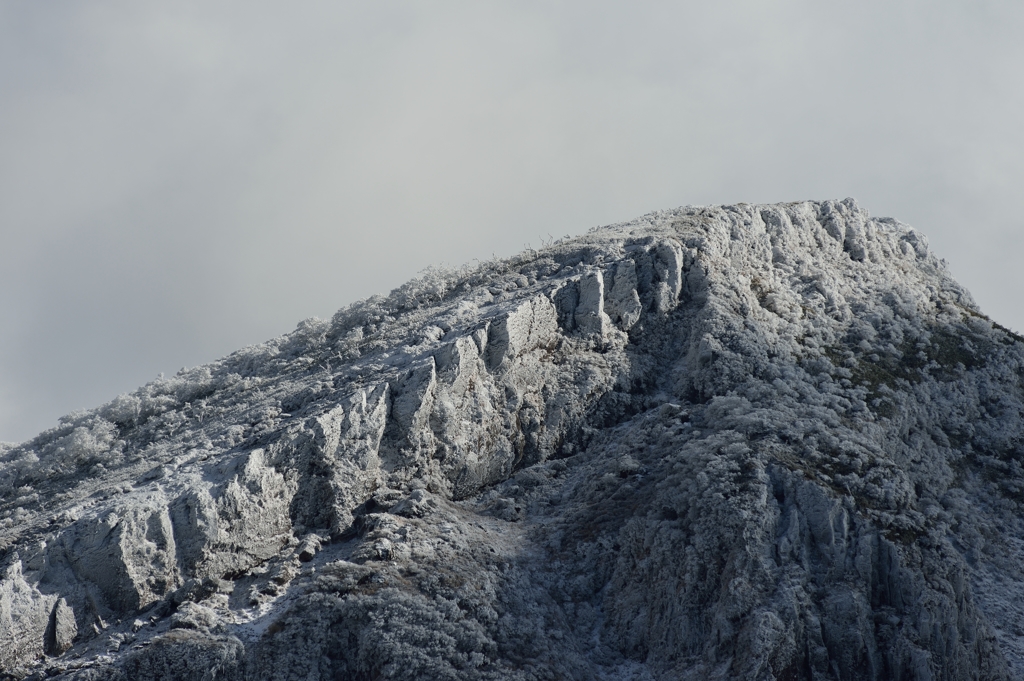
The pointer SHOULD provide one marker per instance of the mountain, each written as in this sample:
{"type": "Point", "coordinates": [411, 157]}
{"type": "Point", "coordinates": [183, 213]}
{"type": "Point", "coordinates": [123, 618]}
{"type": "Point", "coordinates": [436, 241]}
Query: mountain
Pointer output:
{"type": "Point", "coordinates": [738, 442]}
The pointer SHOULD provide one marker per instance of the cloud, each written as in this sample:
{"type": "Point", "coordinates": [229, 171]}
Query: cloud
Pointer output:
{"type": "Point", "coordinates": [179, 181]}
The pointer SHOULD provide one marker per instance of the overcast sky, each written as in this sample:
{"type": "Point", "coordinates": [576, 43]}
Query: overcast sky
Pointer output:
{"type": "Point", "coordinates": [179, 180]}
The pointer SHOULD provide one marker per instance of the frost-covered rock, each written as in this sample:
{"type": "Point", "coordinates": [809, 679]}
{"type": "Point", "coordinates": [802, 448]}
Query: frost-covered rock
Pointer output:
{"type": "Point", "coordinates": [764, 442]}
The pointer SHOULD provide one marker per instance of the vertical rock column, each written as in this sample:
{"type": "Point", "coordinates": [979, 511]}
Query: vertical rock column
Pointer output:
{"type": "Point", "coordinates": [590, 316]}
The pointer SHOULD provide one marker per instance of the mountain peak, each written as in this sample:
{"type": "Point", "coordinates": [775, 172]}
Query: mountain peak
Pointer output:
{"type": "Point", "coordinates": [751, 441]}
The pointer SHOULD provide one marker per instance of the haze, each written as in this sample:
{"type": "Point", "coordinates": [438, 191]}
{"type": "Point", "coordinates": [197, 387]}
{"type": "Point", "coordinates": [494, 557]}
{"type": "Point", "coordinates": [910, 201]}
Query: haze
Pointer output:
{"type": "Point", "coordinates": [177, 182]}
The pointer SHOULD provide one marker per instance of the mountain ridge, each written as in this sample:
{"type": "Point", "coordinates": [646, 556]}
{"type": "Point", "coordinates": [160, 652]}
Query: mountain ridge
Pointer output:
{"type": "Point", "coordinates": [752, 441]}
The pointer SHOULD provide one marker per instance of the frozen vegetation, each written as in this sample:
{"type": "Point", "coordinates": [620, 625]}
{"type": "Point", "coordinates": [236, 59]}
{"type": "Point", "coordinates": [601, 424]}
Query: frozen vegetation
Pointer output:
{"type": "Point", "coordinates": [741, 442]}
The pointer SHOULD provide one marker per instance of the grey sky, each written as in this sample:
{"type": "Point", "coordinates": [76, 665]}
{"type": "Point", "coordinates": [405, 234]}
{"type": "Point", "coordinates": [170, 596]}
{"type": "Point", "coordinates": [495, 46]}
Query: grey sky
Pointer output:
{"type": "Point", "coordinates": [178, 180]}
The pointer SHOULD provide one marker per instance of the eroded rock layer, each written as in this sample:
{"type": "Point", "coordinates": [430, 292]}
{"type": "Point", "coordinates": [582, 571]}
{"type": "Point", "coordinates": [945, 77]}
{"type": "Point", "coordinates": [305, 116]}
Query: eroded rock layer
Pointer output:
{"type": "Point", "coordinates": [744, 442]}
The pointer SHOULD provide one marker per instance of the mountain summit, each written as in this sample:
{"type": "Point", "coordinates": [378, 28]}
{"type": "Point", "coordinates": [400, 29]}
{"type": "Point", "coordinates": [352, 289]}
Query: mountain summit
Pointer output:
{"type": "Point", "coordinates": [737, 442]}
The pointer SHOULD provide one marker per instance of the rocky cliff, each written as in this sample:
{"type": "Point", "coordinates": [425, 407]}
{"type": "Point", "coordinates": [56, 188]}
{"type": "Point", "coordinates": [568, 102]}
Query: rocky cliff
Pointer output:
{"type": "Point", "coordinates": [742, 442]}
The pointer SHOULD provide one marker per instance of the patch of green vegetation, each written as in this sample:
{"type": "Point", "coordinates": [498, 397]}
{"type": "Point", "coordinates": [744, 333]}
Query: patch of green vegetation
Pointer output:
{"type": "Point", "coordinates": [907, 536]}
{"type": "Point", "coordinates": [886, 371]}
{"type": "Point", "coordinates": [947, 349]}
{"type": "Point", "coordinates": [760, 291]}
{"type": "Point", "coordinates": [957, 439]}
{"type": "Point", "coordinates": [1002, 468]}
{"type": "Point", "coordinates": [884, 407]}
{"type": "Point", "coordinates": [1012, 337]}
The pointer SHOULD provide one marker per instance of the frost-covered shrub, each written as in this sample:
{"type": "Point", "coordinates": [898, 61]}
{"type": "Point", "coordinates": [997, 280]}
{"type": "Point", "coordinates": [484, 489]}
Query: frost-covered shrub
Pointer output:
{"type": "Point", "coordinates": [309, 335]}
{"type": "Point", "coordinates": [162, 395]}
{"type": "Point", "coordinates": [16, 464]}
{"type": "Point", "coordinates": [433, 284]}
{"type": "Point", "coordinates": [357, 315]}
{"type": "Point", "coordinates": [125, 409]}
{"type": "Point", "coordinates": [192, 384]}
{"type": "Point", "coordinates": [252, 359]}
{"type": "Point", "coordinates": [87, 445]}
{"type": "Point", "coordinates": [233, 435]}
{"type": "Point", "coordinates": [82, 441]}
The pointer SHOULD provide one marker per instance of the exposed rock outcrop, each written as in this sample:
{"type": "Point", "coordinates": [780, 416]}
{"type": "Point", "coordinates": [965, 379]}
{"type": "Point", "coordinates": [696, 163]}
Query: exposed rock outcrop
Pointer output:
{"type": "Point", "coordinates": [764, 442]}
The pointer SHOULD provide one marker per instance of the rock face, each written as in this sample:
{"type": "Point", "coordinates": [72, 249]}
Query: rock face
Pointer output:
{"type": "Point", "coordinates": [744, 442]}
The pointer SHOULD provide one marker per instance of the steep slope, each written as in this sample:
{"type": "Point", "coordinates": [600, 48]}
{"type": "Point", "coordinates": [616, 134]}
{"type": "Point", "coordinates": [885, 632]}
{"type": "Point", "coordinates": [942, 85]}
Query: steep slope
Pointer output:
{"type": "Point", "coordinates": [764, 442]}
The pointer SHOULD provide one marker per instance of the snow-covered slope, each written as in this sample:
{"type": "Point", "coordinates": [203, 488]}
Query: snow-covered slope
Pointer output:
{"type": "Point", "coordinates": [764, 442]}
